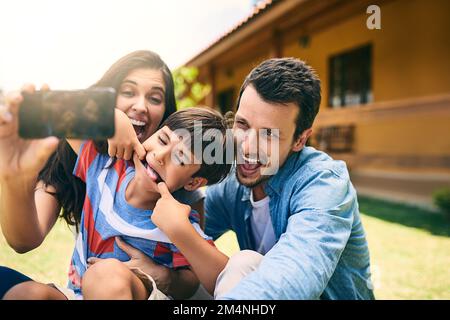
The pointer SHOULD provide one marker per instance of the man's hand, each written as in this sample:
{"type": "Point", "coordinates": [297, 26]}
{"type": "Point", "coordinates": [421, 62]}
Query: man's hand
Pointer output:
{"type": "Point", "coordinates": [161, 274]}
{"type": "Point", "coordinates": [169, 215]}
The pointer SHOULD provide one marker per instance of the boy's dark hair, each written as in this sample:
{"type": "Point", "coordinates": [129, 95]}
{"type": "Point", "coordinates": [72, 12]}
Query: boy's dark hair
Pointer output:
{"type": "Point", "coordinates": [287, 80]}
{"type": "Point", "coordinates": [189, 119]}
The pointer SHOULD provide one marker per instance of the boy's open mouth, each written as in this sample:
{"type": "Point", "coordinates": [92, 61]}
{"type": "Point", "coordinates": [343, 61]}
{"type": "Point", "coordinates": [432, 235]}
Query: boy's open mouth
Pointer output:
{"type": "Point", "coordinates": [152, 172]}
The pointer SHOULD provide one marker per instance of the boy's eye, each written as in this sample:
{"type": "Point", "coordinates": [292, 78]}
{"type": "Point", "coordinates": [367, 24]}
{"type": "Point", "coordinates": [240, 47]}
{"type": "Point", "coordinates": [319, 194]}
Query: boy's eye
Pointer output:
{"type": "Point", "coordinates": [162, 141]}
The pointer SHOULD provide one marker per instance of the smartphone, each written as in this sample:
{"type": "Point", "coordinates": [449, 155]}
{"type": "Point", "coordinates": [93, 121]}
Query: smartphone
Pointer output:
{"type": "Point", "coordinates": [78, 114]}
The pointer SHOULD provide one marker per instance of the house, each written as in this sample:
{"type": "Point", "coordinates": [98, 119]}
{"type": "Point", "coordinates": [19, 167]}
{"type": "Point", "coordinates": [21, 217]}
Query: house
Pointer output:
{"type": "Point", "coordinates": [385, 92]}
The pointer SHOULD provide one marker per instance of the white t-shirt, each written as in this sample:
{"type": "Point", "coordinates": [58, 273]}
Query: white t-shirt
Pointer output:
{"type": "Point", "coordinates": [261, 225]}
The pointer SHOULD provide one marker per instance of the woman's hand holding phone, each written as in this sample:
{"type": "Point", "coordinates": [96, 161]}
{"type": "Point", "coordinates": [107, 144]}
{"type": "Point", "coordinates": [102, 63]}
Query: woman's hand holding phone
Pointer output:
{"type": "Point", "coordinates": [20, 157]}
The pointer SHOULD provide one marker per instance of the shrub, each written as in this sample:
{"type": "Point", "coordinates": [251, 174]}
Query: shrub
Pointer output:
{"type": "Point", "coordinates": [441, 199]}
{"type": "Point", "coordinates": [189, 91]}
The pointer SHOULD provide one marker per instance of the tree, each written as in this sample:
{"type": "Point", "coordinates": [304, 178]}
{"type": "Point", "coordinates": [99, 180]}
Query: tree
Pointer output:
{"type": "Point", "coordinates": [188, 90]}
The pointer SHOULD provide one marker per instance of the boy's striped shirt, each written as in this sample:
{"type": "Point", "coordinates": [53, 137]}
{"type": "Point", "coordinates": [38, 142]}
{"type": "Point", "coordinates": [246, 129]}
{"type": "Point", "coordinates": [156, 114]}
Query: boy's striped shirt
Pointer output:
{"type": "Point", "coordinates": [106, 214]}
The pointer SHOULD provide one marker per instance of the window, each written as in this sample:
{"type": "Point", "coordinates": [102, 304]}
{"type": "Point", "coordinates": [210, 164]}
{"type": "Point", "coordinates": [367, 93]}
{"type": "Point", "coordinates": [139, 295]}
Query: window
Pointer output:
{"type": "Point", "coordinates": [335, 138]}
{"type": "Point", "coordinates": [225, 100]}
{"type": "Point", "coordinates": [350, 77]}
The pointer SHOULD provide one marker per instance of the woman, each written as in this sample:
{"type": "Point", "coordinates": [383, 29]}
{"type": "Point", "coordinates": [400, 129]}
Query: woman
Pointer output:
{"type": "Point", "coordinates": [37, 189]}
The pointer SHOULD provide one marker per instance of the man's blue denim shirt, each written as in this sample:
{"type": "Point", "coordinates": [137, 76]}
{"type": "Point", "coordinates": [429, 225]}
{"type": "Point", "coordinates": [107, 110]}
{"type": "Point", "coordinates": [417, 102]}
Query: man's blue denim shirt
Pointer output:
{"type": "Point", "coordinates": [321, 250]}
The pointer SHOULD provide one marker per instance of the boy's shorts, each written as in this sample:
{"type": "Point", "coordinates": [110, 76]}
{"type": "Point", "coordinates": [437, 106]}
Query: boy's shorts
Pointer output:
{"type": "Point", "coordinates": [149, 283]}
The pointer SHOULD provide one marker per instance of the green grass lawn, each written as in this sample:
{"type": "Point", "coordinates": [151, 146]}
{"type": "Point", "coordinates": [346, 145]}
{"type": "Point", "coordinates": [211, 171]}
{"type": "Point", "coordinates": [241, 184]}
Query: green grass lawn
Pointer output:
{"type": "Point", "coordinates": [410, 252]}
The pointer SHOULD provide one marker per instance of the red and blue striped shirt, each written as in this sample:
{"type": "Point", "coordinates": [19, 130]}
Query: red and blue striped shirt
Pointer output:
{"type": "Point", "coordinates": [106, 215]}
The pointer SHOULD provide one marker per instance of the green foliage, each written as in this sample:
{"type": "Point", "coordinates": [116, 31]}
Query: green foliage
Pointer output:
{"type": "Point", "coordinates": [188, 90]}
{"type": "Point", "coordinates": [441, 198]}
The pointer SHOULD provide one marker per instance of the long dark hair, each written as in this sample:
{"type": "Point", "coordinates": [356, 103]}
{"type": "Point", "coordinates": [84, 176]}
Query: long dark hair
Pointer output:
{"type": "Point", "coordinates": [57, 172]}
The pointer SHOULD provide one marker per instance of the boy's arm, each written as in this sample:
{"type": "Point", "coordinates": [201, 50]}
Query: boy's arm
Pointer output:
{"type": "Point", "coordinates": [206, 261]}
{"type": "Point", "coordinates": [172, 218]}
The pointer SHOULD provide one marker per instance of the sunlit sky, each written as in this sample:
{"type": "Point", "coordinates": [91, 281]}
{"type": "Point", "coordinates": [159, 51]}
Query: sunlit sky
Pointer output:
{"type": "Point", "coordinates": [70, 44]}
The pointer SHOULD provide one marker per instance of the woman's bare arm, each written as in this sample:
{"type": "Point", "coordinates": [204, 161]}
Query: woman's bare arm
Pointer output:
{"type": "Point", "coordinates": [27, 213]}
{"type": "Point", "coordinates": [26, 216]}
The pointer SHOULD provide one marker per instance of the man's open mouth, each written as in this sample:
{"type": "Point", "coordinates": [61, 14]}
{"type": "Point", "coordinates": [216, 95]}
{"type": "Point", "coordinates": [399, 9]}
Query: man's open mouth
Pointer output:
{"type": "Point", "coordinates": [152, 172]}
{"type": "Point", "coordinates": [249, 164]}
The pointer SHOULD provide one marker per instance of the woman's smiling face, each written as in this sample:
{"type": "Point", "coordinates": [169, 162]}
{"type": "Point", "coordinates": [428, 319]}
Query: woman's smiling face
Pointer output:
{"type": "Point", "coordinates": [141, 97]}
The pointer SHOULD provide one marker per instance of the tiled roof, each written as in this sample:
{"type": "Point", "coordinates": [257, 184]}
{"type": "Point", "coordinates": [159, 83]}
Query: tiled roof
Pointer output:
{"type": "Point", "coordinates": [258, 9]}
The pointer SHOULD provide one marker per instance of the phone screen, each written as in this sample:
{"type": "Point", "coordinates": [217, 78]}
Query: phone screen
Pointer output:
{"type": "Point", "coordinates": [80, 114]}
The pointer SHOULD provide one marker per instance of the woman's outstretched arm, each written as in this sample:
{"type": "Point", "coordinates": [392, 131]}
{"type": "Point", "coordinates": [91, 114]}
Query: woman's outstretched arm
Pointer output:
{"type": "Point", "coordinates": [27, 212]}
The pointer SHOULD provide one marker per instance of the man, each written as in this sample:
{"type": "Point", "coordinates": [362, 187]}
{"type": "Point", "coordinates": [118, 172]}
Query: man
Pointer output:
{"type": "Point", "coordinates": [293, 208]}
{"type": "Point", "coordinates": [301, 224]}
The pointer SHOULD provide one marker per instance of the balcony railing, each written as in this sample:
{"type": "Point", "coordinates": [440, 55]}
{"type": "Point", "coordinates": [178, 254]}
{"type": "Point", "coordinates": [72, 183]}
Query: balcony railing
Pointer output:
{"type": "Point", "coordinates": [336, 139]}
{"type": "Point", "coordinates": [432, 105]}
{"type": "Point", "coordinates": [336, 131]}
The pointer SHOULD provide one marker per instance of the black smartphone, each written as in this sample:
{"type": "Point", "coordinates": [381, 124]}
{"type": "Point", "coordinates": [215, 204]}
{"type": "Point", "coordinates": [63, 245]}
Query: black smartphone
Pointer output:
{"type": "Point", "coordinates": [78, 114]}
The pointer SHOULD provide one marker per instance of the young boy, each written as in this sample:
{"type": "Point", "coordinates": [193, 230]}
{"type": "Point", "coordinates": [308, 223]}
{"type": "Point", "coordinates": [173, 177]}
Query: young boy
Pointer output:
{"type": "Point", "coordinates": [120, 196]}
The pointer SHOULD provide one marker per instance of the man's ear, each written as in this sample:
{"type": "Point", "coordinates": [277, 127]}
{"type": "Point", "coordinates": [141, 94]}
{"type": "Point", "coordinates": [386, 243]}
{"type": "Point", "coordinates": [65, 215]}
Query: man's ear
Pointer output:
{"type": "Point", "coordinates": [300, 142]}
{"type": "Point", "coordinates": [195, 183]}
